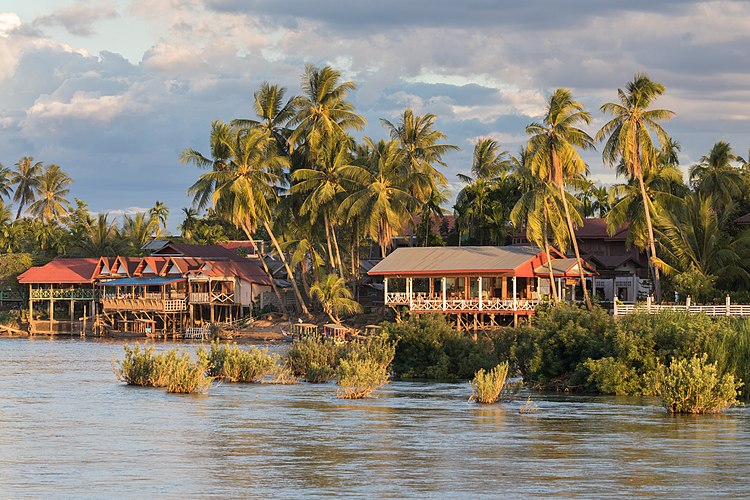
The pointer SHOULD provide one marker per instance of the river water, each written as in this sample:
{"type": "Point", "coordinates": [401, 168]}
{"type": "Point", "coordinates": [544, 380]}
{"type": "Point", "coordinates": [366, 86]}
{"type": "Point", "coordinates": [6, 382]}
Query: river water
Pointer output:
{"type": "Point", "coordinates": [69, 429]}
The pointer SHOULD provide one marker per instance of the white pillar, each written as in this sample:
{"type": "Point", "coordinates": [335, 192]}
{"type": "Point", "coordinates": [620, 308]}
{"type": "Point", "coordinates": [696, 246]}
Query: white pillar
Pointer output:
{"type": "Point", "coordinates": [385, 290]}
{"type": "Point", "coordinates": [729, 303]}
{"type": "Point", "coordinates": [409, 291]}
{"type": "Point", "coordinates": [688, 300]}
{"type": "Point", "coordinates": [480, 293]}
{"type": "Point", "coordinates": [539, 289]}
{"type": "Point", "coordinates": [444, 293]}
{"type": "Point", "coordinates": [515, 302]}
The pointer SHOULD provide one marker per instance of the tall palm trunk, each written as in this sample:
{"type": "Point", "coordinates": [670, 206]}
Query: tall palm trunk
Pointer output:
{"type": "Point", "coordinates": [289, 272]}
{"type": "Point", "coordinates": [552, 286]}
{"type": "Point", "coordinates": [649, 225]}
{"type": "Point", "coordinates": [331, 258]}
{"type": "Point", "coordinates": [338, 252]}
{"type": "Point", "coordinates": [275, 288]}
{"type": "Point", "coordinates": [579, 262]}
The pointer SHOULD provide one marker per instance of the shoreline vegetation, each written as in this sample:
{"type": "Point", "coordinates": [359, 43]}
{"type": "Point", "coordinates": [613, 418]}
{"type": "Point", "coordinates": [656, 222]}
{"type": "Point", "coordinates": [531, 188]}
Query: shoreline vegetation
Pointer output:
{"type": "Point", "coordinates": [692, 363]}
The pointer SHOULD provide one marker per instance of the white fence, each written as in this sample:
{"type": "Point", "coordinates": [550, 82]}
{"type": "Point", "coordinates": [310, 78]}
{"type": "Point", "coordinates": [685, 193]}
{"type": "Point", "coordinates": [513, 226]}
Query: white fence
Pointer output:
{"type": "Point", "coordinates": [726, 309]}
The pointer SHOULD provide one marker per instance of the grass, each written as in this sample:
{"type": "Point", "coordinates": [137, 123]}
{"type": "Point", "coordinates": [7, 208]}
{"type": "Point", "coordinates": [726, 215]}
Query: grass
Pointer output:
{"type": "Point", "coordinates": [174, 370]}
{"type": "Point", "coordinates": [230, 363]}
{"type": "Point", "coordinates": [488, 385]}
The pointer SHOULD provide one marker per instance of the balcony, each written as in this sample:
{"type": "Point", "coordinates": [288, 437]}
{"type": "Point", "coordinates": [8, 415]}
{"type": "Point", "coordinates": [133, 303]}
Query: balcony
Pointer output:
{"type": "Point", "coordinates": [144, 304]}
{"type": "Point", "coordinates": [213, 297]}
{"type": "Point", "coordinates": [74, 294]}
{"type": "Point", "coordinates": [432, 303]}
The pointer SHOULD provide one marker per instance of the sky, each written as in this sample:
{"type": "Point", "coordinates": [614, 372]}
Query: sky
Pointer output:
{"type": "Point", "coordinates": [113, 90]}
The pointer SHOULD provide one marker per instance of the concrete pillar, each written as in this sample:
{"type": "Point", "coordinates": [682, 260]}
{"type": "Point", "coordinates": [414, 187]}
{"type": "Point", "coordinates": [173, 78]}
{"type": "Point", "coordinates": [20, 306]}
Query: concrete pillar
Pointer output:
{"type": "Point", "coordinates": [728, 303]}
{"type": "Point", "coordinates": [515, 299]}
{"type": "Point", "coordinates": [409, 291]}
{"type": "Point", "coordinates": [480, 293]}
{"type": "Point", "coordinates": [385, 290]}
{"type": "Point", "coordinates": [444, 293]}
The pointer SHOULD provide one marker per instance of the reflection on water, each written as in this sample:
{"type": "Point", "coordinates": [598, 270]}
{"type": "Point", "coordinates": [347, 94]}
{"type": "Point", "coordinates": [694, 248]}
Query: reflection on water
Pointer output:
{"type": "Point", "coordinates": [68, 428]}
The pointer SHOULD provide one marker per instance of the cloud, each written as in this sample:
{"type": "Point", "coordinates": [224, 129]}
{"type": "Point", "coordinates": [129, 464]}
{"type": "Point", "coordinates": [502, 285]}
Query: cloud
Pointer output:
{"type": "Point", "coordinates": [9, 21]}
{"type": "Point", "coordinates": [78, 19]}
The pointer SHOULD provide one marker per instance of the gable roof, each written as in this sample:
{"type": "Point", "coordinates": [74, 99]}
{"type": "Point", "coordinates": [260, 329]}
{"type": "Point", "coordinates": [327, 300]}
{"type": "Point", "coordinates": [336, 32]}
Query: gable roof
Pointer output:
{"type": "Point", "coordinates": [567, 267]}
{"type": "Point", "coordinates": [455, 260]}
{"type": "Point", "coordinates": [204, 251]}
{"type": "Point", "coordinates": [596, 228]}
{"type": "Point", "coordinates": [247, 270]}
{"type": "Point", "coordinates": [79, 270]}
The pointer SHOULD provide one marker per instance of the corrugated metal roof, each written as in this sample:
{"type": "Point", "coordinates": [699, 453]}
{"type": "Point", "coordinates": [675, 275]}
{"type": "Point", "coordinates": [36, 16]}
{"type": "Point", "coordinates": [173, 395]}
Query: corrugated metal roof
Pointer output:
{"type": "Point", "coordinates": [79, 270]}
{"type": "Point", "coordinates": [436, 260]}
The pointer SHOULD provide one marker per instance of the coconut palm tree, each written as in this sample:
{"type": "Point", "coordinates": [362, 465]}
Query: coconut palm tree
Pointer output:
{"type": "Point", "coordinates": [538, 213]}
{"type": "Point", "coordinates": [323, 110]}
{"type": "Point", "coordinates": [629, 140]}
{"type": "Point", "coordinates": [692, 239]}
{"type": "Point", "coordinates": [553, 156]}
{"type": "Point", "coordinates": [202, 190]}
{"type": "Point", "coordinates": [101, 238]}
{"type": "Point", "coordinates": [273, 113]}
{"type": "Point", "coordinates": [247, 186]}
{"type": "Point", "coordinates": [137, 230]}
{"type": "Point", "coordinates": [325, 185]}
{"type": "Point", "coordinates": [488, 160]}
{"type": "Point", "coordinates": [26, 179]}
{"type": "Point", "coordinates": [335, 297]}
{"type": "Point", "coordinates": [52, 187]}
{"type": "Point", "coordinates": [188, 222]}
{"type": "Point", "coordinates": [716, 176]}
{"type": "Point", "coordinates": [6, 186]}
{"type": "Point", "coordinates": [383, 200]}
{"type": "Point", "coordinates": [159, 213]}
{"type": "Point", "coordinates": [420, 145]}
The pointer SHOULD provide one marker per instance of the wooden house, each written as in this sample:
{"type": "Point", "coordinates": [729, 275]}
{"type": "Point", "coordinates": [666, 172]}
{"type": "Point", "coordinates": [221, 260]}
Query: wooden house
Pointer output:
{"type": "Point", "coordinates": [477, 286]}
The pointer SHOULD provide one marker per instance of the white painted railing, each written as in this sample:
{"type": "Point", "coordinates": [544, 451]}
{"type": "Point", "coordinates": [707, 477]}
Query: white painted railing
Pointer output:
{"type": "Point", "coordinates": [486, 305]}
{"type": "Point", "coordinates": [709, 310]}
{"type": "Point", "coordinates": [397, 298]}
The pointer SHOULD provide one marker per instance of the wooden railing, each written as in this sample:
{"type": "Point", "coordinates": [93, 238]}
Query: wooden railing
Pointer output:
{"type": "Point", "coordinates": [166, 305]}
{"type": "Point", "coordinates": [469, 305]}
{"type": "Point", "coordinates": [216, 297]}
{"type": "Point", "coordinates": [199, 297]}
{"type": "Point", "coordinates": [75, 294]}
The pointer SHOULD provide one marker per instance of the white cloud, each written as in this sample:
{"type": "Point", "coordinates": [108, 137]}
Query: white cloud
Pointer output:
{"type": "Point", "coordinates": [81, 106]}
{"type": "Point", "coordinates": [9, 21]}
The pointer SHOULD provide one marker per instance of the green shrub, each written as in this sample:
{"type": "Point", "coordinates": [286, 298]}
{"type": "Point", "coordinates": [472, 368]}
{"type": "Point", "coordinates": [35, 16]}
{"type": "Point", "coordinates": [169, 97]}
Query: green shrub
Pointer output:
{"type": "Point", "coordinates": [731, 352]}
{"type": "Point", "coordinates": [315, 359]}
{"type": "Point", "coordinates": [173, 369]}
{"type": "Point", "coordinates": [613, 376]}
{"type": "Point", "coordinates": [137, 366]}
{"type": "Point", "coordinates": [551, 353]}
{"type": "Point", "coordinates": [487, 385]}
{"type": "Point", "coordinates": [359, 376]}
{"type": "Point", "coordinates": [428, 348]}
{"type": "Point", "coordinates": [232, 364]}
{"type": "Point", "coordinates": [185, 376]}
{"type": "Point", "coordinates": [694, 386]}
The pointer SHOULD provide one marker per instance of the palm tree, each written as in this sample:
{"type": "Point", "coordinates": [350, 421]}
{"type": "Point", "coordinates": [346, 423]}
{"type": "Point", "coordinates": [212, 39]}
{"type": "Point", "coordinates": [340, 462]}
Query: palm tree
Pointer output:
{"type": "Point", "coordinates": [537, 211]}
{"type": "Point", "coordinates": [323, 109]}
{"type": "Point", "coordinates": [692, 239]}
{"type": "Point", "coordinates": [6, 240]}
{"type": "Point", "coordinates": [432, 207]}
{"type": "Point", "coordinates": [324, 185]}
{"type": "Point", "coordinates": [553, 156]}
{"type": "Point", "coordinates": [629, 139]}
{"type": "Point", "coordinates": [52, 189]}
{"type": "Point", "coordinates": [488, 160]}
{"type": "Point", "coordinates": [662, 184]}
{"type": "Point", "coordinates": [137, 230]}
{"type": "Point", "coordinates": [202, 190]}
{"type": "Point", "coordinates": [5, 183]}
{"type": "Point", "coordinates": [716, 176]}
{"type": "Point", "coordinates": [384, 199]}
{"type": "Point", "coordinates": [26, 180]}
{"type": "Point", "coordinates": [159, 213]}
{"type": "Point", "coordinates": [274, 114]}
{"type": "Point", "coordinates": [188, 223]}
{"type": "Point", "coordinates": [101, 238]}
{"type": "Point", "coordinates": [247, 185]}
{"type": "Point", "coordinates": [422, 152]}
{"type": "Point", "coordinates": [335, 297]}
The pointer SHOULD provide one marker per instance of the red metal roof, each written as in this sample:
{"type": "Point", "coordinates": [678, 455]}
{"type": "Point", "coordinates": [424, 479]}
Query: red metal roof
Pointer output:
{"type": "Point", "coordinates": [247, 270]}
{"type": "Point", "coordinates": [62, 271]}
{"type": "Point", "coordinates": [203, 251]}
{"type": "Point", "coordinates": [234, 246]}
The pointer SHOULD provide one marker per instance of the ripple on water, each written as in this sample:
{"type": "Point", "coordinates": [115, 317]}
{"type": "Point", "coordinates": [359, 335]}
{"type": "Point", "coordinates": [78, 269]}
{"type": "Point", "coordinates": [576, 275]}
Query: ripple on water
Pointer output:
{"type": "Point", "coordinates": [70, 429]}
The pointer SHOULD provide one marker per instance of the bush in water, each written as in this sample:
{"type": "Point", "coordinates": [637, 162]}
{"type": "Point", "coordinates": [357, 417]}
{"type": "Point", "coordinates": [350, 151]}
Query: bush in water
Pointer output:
{"type": "Point", "coordinates": [137, 367]}
{"type": "Point", "coordinates": [232, 364]}
{"type": "Point", "coordinates": [173, 370]}
{"type": "Point", "coordinates": [487, 386]}
{"type": "Point", "coordinates": [365, 368]}
{"type": "Point", "coordinates": [315, 359]}
{"type": "Point", "coordinates": [694, 386]}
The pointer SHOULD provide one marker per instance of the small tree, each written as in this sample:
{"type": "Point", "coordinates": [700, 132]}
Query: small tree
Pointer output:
{"type": "Point", "coordinates": [335, 297]}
